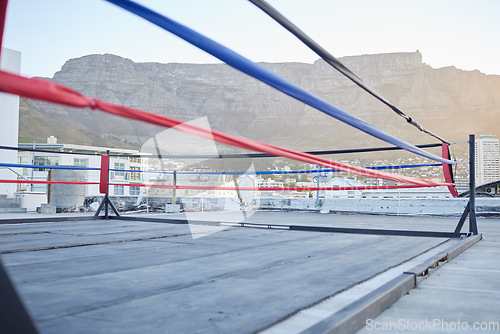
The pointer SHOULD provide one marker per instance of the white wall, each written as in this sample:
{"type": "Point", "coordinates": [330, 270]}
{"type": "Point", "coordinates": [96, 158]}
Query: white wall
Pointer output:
{"type": "Point", "coordinates": [9, 126]}
{"type": "Point", "coordinates": [420, 206]}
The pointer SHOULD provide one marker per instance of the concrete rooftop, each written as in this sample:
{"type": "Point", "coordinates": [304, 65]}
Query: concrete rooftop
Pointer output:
{"type": "Point", "coordinates": [135, 276]}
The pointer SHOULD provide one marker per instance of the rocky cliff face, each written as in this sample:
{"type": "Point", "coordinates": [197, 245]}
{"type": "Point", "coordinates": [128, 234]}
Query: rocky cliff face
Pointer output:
{"type": "Point", "coordinates": [448, 101]}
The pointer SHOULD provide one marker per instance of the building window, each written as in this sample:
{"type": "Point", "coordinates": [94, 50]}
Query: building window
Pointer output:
{"type": "Point", "coordinates": [81, 162]}
{"type": "Point", "coordinates": [119, 190]}
{"type": "Point", "coordinates": [135, 191]}
{"type": "Point", "coordinates": [23, 161]}
{"type": "Point", "coordinates": [46, 161]}
{"type": "Point", "coordinates": [120, 166]}
{"type": "Point", "coordinates": [135, 160]}
{"type": "Point", "coordinates": [135, 176]}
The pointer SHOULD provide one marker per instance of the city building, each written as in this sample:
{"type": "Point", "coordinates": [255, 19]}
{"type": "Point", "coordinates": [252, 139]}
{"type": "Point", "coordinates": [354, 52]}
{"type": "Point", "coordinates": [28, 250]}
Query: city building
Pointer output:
{"type": "Point", "coordinates": [124, 170]}
{"type": "Point", "coordinates": [338, 182]}
{"type": "Point", "coordinates": [268, 183]}
{"type": "Point", "coordinates": [487, 160]}
{"type": "Point", "coordinates": [121, 166]}
{"type": "Point", "coordinates": [201, 177]}
{"type": "Point", "coordinates": [439, 192]}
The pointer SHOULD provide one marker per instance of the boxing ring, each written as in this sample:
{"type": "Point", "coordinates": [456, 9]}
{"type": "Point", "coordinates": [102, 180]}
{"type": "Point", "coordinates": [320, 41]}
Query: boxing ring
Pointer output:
{"type": "Point", "coordinates": [107, 205]}
{"type": "Point", "coordinates": [107, 213]}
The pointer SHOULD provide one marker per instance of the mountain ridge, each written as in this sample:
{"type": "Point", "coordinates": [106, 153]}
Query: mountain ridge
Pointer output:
{"type": "Point", "coordinates": [447, 101]}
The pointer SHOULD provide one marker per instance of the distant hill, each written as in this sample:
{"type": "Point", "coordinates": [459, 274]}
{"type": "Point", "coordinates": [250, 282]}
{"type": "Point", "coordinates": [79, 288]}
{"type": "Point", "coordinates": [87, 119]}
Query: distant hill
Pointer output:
{"type": "Point", "coordinates": [448, 101]}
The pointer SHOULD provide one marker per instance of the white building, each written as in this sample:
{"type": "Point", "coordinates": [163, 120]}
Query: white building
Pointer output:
{"type": "Point", "coordinates": [202, 177]}
{"type": "Point", "coordinates": [487, 160]}
{"type": "Point", "coordinates": [339, 182]}
{"type": "Point", "coordinates": [268, 183]}
{"type": "Point", "coordinates": [125, 171]}
{"type": "Point", "coordinates": [9, 105]}
{"type": "Point", "coordinates": [83, 156]}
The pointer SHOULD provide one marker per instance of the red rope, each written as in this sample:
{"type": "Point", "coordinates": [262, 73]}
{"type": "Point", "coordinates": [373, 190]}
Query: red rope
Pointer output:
{"type": "Point", "coordinates": [3, 12]}
{"type": "Point", "coordinates": [51, 92]}
{"type": "Point", "coordinates": [169, 186]}
{"type": "Point", "coordinates": [447, 171]}
{"type": "Point", "coordinates": [45, 182]}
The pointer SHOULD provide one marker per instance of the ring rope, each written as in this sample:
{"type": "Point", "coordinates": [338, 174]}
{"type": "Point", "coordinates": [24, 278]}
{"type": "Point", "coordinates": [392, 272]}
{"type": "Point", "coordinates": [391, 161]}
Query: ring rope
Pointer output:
{"type": "Point", "coordinates": [261, 73]}
{"type": "Point", "coordinates": [47, 151]}
{"type": "Point", "coordinates": [218, 156]}
{"type": "Point", "coordinates": [335, 63]}
{"type": "Point", "coordinates": [448, 171]}
{"type": "Point", "coordinates": [214, 172]}
{"type": "Point", "coordinates": [52, 92]}
{"type": "Point", "coordinates": [168, 186]}
{"type": "Point", "coordinates": [48, 166]}
{"type": "Point", "coordinates": [3, 10]}
{"type": "Point", "coordinates": [48, 182]}
{"type": "Point", "coordinates": [269, 172]}
{"type": "Point", "coordinates": [265, 155]}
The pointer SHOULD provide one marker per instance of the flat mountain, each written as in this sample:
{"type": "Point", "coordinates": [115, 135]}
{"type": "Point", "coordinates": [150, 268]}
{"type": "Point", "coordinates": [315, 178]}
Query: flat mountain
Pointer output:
{"type": "Point", "coordinates": [448, 101]}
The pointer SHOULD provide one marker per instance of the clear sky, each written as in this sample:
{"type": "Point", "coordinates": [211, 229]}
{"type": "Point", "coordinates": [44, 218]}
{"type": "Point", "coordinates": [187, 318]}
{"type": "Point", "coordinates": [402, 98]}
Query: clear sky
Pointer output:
{"type": "Point", "coordinates": [457, 33]}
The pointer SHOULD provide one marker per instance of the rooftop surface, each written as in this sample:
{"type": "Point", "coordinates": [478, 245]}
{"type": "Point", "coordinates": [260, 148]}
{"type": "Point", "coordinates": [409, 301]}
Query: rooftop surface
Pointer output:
{"type": "Point", "coordinates": [137, 276]}
{"type": "Point", "coordinates": [461, 297]}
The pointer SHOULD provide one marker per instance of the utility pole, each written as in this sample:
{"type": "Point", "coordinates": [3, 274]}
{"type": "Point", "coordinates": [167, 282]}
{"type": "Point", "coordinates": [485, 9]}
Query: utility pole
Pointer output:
{"type": "Point", "coordinates": [317, 185]}
{"type": "Point", "coordinates": [174, 196]}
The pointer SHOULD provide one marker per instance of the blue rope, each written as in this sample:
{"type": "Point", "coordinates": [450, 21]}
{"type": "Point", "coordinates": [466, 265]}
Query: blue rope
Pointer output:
{"type": "Point", "coordinates": [261, 73]}
{"type": "Point", "coordinates": [271, 171]}
{"type": "Point", "coordinates": [47, 167]}
{"type": "Point", "coordinates": [215, 173]}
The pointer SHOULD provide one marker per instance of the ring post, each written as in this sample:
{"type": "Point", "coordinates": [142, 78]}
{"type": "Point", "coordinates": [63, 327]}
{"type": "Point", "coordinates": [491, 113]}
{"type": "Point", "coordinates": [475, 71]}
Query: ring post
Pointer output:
{"type": "Point", "coordinates": [470, 208]}
{"type": "Point", "coordinates": [472, 185]}
{"type": "Point", "coordinates": [104, 189]}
